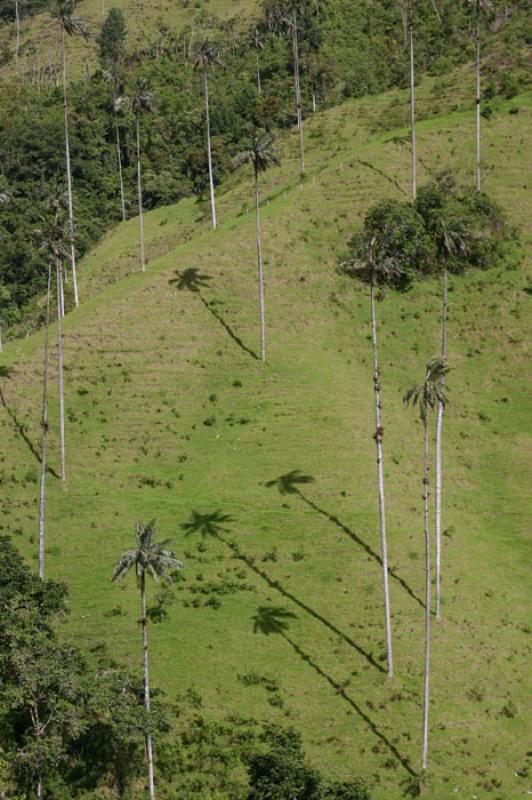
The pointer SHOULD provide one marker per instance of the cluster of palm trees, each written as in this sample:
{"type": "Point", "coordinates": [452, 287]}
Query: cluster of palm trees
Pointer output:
{"type": "Point", "coordinates": [385, 266]}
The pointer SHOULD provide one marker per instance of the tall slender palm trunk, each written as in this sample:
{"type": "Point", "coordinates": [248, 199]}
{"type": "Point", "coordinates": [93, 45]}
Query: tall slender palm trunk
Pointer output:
{"type": "Point", "coordinates": [17, 25]}
{"type": "Point", "coordinates": [478, 97]}
{"type": "Point", "coordinates": [147, 701]}
{"type": "Point", "coordinates": [139, 196]}
{"type": "Point", "coordinates": [209, 153]}
{"type": "Point", "coordinates": [426, 682]}
{"type": "Point", "coordinates": [69, 172]}
{"type": "Point", "coordinates": [44, 431]}
{"type": "Point", "coordinates": [260, 271]}
{"type": "Point", "coordinates": [119, 160]}
{"type": "Point", "coordinates": [60, 370]}
{"type": "Point", "coordinates": [380, 477]}
{"type": "Point", "coordinates": [297, 84]}
{"type": "Point", "coordinates": [259, 87]}
{"type": "Point", "coordinates": [439, 430]}
{"type": "Point", "coordinates": [412, 98]}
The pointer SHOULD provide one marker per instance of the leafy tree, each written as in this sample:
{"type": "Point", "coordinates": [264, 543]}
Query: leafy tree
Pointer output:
{"type": "Point", "coordinates": [62, 12]}
{"type": "Point", "coordinates": [427, 395]}
{"type": "Point", "coordinates": [207, 56]}
{"type": "Point", "coordinates": [261, 154]}
{"type": "Point", "coordinates": [156, 560]}
{"type": "Point", "coordinates": [112, 40]}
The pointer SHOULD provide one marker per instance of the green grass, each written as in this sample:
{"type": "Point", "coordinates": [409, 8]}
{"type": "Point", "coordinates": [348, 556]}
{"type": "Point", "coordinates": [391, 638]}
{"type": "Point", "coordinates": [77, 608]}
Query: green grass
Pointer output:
{"type": "Point", "coordinates": [168, 414]}
{"type": "Point", "coordinates": [40, 43]}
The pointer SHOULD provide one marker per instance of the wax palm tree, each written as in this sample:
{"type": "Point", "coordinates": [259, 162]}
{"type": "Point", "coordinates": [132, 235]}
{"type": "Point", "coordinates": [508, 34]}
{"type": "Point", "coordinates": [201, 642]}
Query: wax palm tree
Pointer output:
{"type": "Point", "coordinates": [383, 269]}
{"type": "Point", "coordinates": [478, 10]}
{"type": "Point", "coordinates": [111, 77]}
{"type": "Point", "coordinates": [207, 56]}
{"type": "Point", "coordinates": [62, 12]}
{"type": "Point", "coordinates": [412, 96]}
{"type": "Point", "coordinates": [44, 431]}
{"type": "Point", "coordinates": [291, 24]}
{"type": "Point", "coordinates": [56, 241]}
{"type": "Point", "coordinates": [261, 155]}
{"type": "Point", "coordinates": [152, 558]}
{"type": "Point", "coordinates": [427, 395]}
{"type": "Point", "coordinates": [142, 102]}
{"type": "Point", "coordinates": [453, 241]}
{"type": "Point", "coordinates": [258, 44]}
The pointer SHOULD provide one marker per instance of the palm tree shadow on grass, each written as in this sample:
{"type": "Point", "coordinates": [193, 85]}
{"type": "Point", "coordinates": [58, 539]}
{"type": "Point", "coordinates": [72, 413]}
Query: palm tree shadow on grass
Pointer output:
{"type": "Point", "coordinates": [192, 280]}
{"type": "Point", "coordinates": [273, 620]}
{"type": "Point", "coordinates": [214, 524]}
{"type": "Point", "coordinates": [290, 482]}
{"type": "Point", "coordinates": [6, 372]}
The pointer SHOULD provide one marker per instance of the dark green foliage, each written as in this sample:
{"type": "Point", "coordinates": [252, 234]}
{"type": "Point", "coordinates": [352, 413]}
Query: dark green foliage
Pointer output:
{"type": "Point", "coordinates": [394, 245]}
{"type": "Point", "coordinates": [347, 790]}
{"type": "Point", "coordinates": [401, 241]}
{"type": "Point", "coordinates": [112, 39]}
{"type": "Point", "coordinates": [281, 773]}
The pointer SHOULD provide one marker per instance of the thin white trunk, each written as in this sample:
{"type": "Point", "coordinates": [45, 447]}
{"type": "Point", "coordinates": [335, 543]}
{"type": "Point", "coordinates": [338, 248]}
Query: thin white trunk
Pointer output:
{"type": "Point", "coordinates": [412, 99]}
{"type": "Point", "coordinates": [260, 272]}
{"type": "Point", "coordinates": [478, 98]}
{"type": "Point", "coordinates": [17, 23]}
{"type": "Point", "coordinates": [439, 429]}
{"type": "Point", "coordinates": [380, 475]}
{"type": "Point", "coordinates": [39, 787]}
{"type": "Point", "coordinates": [426, 683]}
{"type": "Point", "coordinates": [69, 173]}
{"type": "Point", "coordinates": [120, 174]}
{"type": "Point", "coordinates": [209, 154]}
{"type": "Point", "coordinates": [297, 84]}
{"type": "Point", "coordinates": [147, 700]}
{"type": "Point", "coordinates": [259, 87]}
{"type": "Point", "coordinates": [139, 196]}
{"type": "Point", "coordinates": [60, 370]}
{"type": "Point", "coordinates": [44, 431]}
{"type": "Point", "coordinates": [314, 104]}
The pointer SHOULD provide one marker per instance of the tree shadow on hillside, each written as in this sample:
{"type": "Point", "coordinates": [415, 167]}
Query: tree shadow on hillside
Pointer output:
{"type": "Point", "coordinates": [214, 524]}
{"type": "Point", "coordinates": [20, 429]}
{"type": "Point", "coordinates": [192, 280]}
{"type": "Point", "coordinates": [273, 620]}
{"type": "Point", "coordinates": [290, 482]}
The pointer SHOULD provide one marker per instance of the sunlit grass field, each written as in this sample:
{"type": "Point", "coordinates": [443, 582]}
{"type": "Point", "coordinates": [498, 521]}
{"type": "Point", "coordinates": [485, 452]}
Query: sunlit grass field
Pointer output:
{"type": "Point", "coordinates": [170, 414]}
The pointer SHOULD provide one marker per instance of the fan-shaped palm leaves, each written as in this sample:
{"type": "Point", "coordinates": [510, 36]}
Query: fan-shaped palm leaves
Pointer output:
{"type": "Point", "coordinates": [70, 25]}
{"type": "Point", "coordinates": [426, 396]}
{"type": "Point", "coordinates": [207, 56]}
{"type": "Point", "coordinates": [261, 155]}
{"type": "Point", "coordinates": [153, 558]}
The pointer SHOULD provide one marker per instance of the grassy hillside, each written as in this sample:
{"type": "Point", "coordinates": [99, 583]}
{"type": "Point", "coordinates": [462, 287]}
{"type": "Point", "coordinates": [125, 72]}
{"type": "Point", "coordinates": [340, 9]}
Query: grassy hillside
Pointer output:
{"type": "Point", "coordinates": [40, 43]}
{"type": "Point", "coordinates": [171, 415]}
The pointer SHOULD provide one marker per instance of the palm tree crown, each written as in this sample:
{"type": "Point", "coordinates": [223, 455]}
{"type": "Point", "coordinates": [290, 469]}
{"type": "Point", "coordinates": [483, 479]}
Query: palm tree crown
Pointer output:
{"type": "Point", "coordinates": [430, 392]}
{"type": "Point", "coordinates": [261, 153]}
{"type": "Point", "coordinates": [143, 98]}
{"type": "Point", "coordinates": [63, 12]}
{"type": "Point", "coordinates": [148, 556]}
{"type": "Point", "coordinates": [206, 55]}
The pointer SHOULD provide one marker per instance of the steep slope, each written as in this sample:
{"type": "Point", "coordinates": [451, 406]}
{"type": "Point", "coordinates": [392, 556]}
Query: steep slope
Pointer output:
{"type": "Point", "coordinates": [170, 413]}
